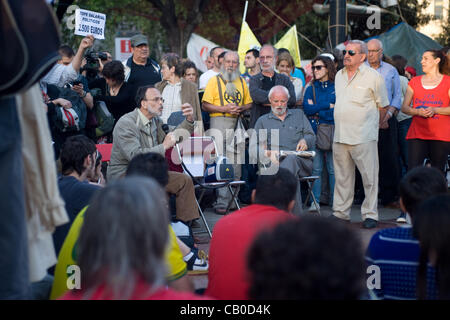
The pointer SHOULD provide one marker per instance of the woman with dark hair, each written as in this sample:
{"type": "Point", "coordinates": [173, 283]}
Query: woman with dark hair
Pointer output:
{"type": "Point", "coordinates": [117, 94]}
{"type": "Point", "coordinates": [429, 133]}
{"type": "Point", "coordinates": [285, 65]}
{"type": "Point", "coordinates": [122, 244]}
{"type": "Point", "coordinates": [432, 228]}
{"type": "Point", "coordinates": [190, 71]}
{"type": "Point", "coordinates": [177, 91]}
{"type": "Point", "coordinates": [318, 105]}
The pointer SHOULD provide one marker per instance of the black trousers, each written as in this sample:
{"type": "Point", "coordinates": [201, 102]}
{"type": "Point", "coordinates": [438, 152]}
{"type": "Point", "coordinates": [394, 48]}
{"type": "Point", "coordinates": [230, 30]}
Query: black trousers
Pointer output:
{"type": "Point", "coordinates": [435, 150]}
{"type": "Point", "coordinates": [389, 174]}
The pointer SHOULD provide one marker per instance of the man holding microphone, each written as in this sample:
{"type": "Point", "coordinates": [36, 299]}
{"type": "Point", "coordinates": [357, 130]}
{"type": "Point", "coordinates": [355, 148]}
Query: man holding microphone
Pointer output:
{"type": "Point", "coordinates": [140, 131]}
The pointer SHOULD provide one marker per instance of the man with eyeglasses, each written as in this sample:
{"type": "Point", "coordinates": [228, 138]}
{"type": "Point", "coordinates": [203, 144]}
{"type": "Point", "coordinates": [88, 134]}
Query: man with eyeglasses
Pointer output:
{"type": "Point", "coordinates": [360, 92]}
{"type": "Point", "coordinates": [261, 83]}
{"type": "Point", "coordinates": [140, 131]}
{"type": "Point", "coordinates": [387, 137]}
{"type": "Point", "coordinates": [140, 69]}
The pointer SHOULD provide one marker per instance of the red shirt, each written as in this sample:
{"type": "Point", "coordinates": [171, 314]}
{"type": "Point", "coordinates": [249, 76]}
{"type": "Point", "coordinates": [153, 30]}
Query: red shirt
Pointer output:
{"type": "Point", "coordinates": [141, 292]}
{"type": "Point", "coordinates": [438, 126]}
{"type": "Point", "coordinates": [232, 237]}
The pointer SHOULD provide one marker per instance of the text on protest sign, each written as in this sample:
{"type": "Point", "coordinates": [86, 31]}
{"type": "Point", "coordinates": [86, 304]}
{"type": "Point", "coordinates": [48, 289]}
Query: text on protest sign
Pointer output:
{"type": "Point", "coordinates": [90, 22]}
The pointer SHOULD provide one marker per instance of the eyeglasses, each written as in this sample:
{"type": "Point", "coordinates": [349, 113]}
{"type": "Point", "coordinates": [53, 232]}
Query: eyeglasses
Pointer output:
{"type": "Point", "coordinates": [374, 51]}
{"type": "Point", "coordinates": [350, 52]}
{"type": "Point", "coordinates": [157, 99]}
{"type": "Point", "coordinates": [318, 68]}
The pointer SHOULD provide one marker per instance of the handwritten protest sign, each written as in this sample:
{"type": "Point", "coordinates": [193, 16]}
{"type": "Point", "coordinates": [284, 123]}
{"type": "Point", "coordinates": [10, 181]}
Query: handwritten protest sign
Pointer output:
{"type": "Point", "coordinates": [90, 22]}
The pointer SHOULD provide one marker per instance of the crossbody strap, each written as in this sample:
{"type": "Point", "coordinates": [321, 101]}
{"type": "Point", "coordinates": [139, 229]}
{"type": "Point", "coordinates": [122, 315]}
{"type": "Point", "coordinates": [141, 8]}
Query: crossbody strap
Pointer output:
{"type": "Point", "coordinates": [220, 90]}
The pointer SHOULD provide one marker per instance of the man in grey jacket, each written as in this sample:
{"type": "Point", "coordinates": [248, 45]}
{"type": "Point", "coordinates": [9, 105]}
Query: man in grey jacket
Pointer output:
{"type": "Point", "coordinates": [140, 131]}
{"type": "Point", "coordinates": [261, 83]}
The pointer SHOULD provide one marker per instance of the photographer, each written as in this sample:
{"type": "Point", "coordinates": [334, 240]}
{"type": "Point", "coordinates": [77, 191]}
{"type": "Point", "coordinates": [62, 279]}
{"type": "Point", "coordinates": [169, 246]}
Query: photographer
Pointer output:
{"type": "Point", "coordinates": [117, 94]}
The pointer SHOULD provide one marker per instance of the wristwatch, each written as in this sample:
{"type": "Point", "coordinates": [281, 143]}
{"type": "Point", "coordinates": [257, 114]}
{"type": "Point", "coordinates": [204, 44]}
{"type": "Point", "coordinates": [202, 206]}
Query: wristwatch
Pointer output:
{"type": "Point", "coordinates": [84, 94]}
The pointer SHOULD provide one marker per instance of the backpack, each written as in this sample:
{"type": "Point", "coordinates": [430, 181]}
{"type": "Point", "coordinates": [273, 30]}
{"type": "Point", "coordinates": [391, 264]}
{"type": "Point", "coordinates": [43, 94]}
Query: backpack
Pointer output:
{"type": "Point", "coordinates": [105, 119]}
{"type": "Point", "coordinates": [74, 119]}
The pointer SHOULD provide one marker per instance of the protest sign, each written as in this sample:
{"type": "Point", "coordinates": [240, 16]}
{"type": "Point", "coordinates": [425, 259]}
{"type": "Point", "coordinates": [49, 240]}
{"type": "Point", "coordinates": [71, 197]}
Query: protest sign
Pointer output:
{"type": "Point", "coordinates": [90, 22]}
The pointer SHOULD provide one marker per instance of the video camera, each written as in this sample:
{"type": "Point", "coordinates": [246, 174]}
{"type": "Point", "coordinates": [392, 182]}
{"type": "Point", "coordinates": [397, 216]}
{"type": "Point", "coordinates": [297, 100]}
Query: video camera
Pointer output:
{"type": "Point", "coordinates": [92, 64]}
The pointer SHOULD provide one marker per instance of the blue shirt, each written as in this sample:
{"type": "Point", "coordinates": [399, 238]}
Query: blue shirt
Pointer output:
{"type": "Point", "coordinates": [297, 73]}
{"type": "Point", "coordinates": [392, 81]}
{"type": "Point", "coordinates": [396, 252]}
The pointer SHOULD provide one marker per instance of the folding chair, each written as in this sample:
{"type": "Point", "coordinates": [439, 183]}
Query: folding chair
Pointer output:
{"type": "Point", "coordinates": [310, 183]}
{"type": "Point", "coordinates": [193, 154]}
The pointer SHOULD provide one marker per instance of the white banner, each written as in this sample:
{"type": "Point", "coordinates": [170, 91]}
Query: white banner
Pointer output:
{"type": "Point", "coordinates": [90, 22]}
{"type": "Point", "coordinates": [198, 50]}
{"type": "Point", "coordinates": [123, 49]}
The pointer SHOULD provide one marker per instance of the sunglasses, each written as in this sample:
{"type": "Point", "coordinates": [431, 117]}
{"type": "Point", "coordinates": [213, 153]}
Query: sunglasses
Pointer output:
{"type": "Point", "coordinates": [350, 52]}
{"type": "Point", "coordinates": [318, 68]}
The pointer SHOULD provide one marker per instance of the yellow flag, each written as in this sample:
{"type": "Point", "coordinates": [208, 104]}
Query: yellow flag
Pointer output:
{"type": "Point", "coordinates": [290, 42]}
{"type": "Point", "coordinates": [247, 41]}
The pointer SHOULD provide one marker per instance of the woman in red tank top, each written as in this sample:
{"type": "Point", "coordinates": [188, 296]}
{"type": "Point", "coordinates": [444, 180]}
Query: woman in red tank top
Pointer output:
{"type": "Point", "coordinates": [429, 133]}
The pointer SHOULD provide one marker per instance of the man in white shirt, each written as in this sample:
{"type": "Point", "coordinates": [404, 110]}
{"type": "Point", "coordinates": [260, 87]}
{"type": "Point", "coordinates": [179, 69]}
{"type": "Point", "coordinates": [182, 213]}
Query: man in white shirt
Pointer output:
{"type": "Point", "coordinates": [204, 78]}
{"type": "Point", "coordinates": [67, 68]}
{"type": "Point", "coordinates": [360, 92]}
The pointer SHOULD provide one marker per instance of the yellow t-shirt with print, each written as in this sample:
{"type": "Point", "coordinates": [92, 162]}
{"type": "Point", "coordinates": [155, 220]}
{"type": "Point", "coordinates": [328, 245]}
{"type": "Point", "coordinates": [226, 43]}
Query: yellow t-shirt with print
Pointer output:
{"type": "Point", "coordinates": [211, 94]}
{"type": "Point", "coordinates": [176, 266]}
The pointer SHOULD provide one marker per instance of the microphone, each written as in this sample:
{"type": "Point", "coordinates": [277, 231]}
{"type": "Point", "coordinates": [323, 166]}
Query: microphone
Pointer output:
{"type": "Point", "coordinates": [165, 128]}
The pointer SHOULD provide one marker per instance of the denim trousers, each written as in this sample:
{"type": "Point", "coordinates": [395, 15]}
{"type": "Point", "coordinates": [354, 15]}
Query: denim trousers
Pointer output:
{"type": "Point", "coordinates": [323, 158]}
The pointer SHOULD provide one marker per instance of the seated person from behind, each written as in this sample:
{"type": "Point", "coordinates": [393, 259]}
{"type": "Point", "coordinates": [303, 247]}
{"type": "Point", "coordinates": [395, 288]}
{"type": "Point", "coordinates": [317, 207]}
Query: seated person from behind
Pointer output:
{"type": "Point", "coordinates": [78, 156]}
{"type": "Point", "coordinates": [272, 202]}
{"type": "Point", "coordinates": [396, 251]}
{"type": "Point", "coordinates": [283, 129]}
{"type": "Point", "coordinates": [127, 223]}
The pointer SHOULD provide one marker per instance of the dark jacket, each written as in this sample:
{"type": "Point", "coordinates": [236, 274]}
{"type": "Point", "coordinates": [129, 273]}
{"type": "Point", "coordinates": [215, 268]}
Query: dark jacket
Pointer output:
{"type": "Point", "coordinates": [325, 95]}
{"type": "Point", "coordinates": [260, 96]}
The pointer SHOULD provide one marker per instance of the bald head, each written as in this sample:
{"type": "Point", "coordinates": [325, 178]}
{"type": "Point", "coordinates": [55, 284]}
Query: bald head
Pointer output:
{"type": "Point", "coordinates": [279, 97]}
{"type": "Point", "coordinates": [375, 49]}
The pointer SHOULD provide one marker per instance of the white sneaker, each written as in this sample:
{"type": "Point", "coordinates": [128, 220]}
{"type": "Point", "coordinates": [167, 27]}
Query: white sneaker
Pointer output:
{"type": "Point", "coordinates": [313, 207]}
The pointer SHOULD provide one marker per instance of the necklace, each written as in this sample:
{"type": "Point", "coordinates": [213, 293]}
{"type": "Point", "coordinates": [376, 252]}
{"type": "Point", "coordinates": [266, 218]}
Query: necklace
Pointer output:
{"type": "Point", "coordinates": [115, 90]}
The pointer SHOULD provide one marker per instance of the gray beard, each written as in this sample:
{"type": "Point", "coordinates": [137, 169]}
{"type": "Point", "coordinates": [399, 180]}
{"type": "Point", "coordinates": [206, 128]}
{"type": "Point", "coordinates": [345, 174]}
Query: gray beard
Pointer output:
{"type": "Point", "coordinates": [275, 112]}
{"type": "Point", "coordinates": [230, 76]}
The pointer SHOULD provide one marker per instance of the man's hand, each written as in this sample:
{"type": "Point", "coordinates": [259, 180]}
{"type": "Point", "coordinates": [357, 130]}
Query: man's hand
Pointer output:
{"type": "Point", "coordinates": [169, 141]}
{"type": "Point", "coordinates": [78, 88]}
{"type": "Point", "coordinates": [390, 111]}
{"type": "Point", "coordinates": [66, 104]}
{"type": "Point", "coordinates": [302, 145]}
{"type": "Point", "coordinates": [188, 111]}
{"type": "Point", "coordinates": [100, 65]}
{"type": "Point", "coordinates": [87, 42]}
{"type": "Point", "coordinates": [273, 155]}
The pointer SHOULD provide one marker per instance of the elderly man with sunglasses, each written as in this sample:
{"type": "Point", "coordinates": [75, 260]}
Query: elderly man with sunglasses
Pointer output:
{"type": "Point", "coordinates": [360, 92]}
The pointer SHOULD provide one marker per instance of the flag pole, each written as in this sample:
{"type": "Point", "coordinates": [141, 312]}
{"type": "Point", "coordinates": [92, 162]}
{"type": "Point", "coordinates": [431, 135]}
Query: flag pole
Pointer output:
{"type": "Point", "coordinates": [245, 11]}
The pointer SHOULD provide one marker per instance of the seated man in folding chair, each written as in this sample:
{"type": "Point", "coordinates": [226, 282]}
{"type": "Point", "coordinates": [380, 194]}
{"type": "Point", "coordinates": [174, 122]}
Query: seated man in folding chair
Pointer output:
{"type": "Point", "coordinates": [226, 97]}
{"type": "Point", "coordinates": [140, 131]}
{"type": "Point", "coordinates": [283, 129]}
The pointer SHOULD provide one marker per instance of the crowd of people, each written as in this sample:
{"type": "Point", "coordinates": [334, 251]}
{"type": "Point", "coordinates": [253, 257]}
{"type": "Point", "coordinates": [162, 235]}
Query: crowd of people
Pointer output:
{"type": "Point", "coordinates": [377, 136]}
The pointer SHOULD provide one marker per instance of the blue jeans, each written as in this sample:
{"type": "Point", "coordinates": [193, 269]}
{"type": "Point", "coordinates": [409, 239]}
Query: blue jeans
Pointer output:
{"type": "Point", "coordinates": [317, 171]}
